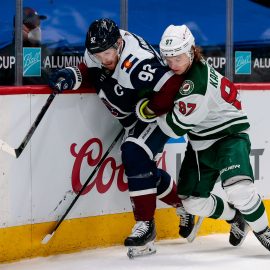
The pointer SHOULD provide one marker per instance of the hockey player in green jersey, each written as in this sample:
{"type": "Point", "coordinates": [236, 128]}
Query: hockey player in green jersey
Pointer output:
{"type": "Point", "coordinates": [207, 108]}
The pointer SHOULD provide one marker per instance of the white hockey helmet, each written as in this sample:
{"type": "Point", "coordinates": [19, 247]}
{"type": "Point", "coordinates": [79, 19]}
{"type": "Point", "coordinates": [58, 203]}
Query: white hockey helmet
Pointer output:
{"type": "Point", "coordinates": [177, 40]}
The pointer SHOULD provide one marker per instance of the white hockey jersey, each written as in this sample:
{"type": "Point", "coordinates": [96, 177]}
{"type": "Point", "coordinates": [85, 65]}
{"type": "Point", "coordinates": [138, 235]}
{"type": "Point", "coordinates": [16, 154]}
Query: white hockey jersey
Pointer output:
{"type": "Point", "coordinates": [139, 73]}
{"type": "Point", "coordinates": [206, 108]}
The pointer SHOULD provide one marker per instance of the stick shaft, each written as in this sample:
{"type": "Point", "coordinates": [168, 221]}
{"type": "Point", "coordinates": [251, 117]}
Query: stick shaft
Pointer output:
{"type": "Point", "coordinates": [35, 124]}
{"type": "Point", "coordinates": [88, 180]}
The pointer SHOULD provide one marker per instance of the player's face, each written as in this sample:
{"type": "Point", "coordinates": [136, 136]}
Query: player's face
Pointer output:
{"type": "Point", "coordinates": [178, 64]}
{"type": "Point", "coordinates": [108, 58]}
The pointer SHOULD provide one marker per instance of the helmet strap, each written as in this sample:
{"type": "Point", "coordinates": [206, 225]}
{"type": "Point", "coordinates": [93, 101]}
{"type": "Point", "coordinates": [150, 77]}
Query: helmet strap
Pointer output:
{"type": "Point", "coordinates": [119, 48]}
{"type": "Point", "coordinates": [190, 55]}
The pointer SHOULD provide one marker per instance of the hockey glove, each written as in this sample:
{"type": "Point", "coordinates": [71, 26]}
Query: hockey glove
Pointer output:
{"type": "Point", "coordinates": [65, 79]}
{"type": "Point", "coordinates": [144, 113]}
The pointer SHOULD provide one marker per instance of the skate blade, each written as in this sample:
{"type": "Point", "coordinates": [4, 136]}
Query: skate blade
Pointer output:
{"type": "Point", "coordinates": [195, 230]}
{"type": "Point", "coordinates": [139, 251]}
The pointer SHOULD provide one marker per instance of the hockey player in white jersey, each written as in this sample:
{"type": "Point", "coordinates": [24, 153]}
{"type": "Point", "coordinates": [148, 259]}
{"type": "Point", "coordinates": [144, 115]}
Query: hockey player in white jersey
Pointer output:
{"type": "Point", "coordinates": [207, 108]}
{"type": "Point", "coordinates": [123, 68]}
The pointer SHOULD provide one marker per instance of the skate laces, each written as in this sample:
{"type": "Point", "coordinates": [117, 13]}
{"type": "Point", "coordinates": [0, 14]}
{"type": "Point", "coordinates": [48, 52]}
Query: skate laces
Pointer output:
{"type": "Point", "coordinates": [140, 228]}
{"type": "Point", "coordinates": [264, 237]}
{"type": "Point", "coordinates": [236, 231]}
{"type": "Point", "coordinates": [184, 216]}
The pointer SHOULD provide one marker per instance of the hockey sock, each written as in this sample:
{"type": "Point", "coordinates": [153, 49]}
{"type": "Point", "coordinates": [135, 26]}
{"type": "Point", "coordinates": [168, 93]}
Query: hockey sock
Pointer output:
{"type": "Point", "coordinates": [167, 190]}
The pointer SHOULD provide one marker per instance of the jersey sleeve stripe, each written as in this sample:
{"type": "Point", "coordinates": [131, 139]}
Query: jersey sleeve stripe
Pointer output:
{"type": "Point", "coordinates": [205, 132]}
{"type": "Point", "coordinates": [233, 129]}
{"type": "Point", "coordinates": [170, 127]}
{"type": "Point", "coordinates": [182, 125]}
{"type": "Point", "coordinates": [163, 80]}
{"type": "Point", "coordinates": [162, 122]}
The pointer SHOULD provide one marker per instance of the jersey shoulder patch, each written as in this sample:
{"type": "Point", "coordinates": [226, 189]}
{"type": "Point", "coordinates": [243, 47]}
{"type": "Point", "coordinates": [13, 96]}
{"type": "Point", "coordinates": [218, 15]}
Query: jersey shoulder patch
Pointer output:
{"type": "Point", "coordinates": [129, 62]}
{"type": "Point", "coordinates": [132, 53]}
{"type": "Point", "coordinates": [186, 88]}
{"type": "Point", "coordinates": [195, 81]}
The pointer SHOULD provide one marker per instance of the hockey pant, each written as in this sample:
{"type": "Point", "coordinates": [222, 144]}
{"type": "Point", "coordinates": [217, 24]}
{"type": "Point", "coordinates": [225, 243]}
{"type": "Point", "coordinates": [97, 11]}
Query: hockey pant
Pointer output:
{"type": "Point", "coordinates": [146, 182]}
{"type": "Point", "coordinates": [198, 175]}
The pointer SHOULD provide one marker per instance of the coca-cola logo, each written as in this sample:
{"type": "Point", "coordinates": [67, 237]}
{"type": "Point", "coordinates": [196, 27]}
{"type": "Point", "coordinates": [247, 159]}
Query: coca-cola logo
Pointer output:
{"type": "Point", "coordinates": [86, 153]}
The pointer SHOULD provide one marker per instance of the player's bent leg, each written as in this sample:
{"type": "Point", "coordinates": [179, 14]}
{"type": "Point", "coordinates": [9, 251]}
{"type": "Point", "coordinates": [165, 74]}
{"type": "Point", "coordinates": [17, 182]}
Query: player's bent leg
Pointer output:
{"type": "Point", "coordinates": [243, 195]}
{"type": "Point", "coordinates": [215, 207]}
{"type": "Point", "coordinates": [212, 207]}
{"type": "Point", "coordinates": [203, 207]}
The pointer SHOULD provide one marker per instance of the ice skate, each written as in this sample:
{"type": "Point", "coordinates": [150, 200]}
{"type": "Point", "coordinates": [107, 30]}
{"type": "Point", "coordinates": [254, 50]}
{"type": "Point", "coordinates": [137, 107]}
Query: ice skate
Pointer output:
{"type": "Point", "coordinates": [239, 229]}
{"type": "Point", "coordinates": [186, 222]}
{"type": "Point", "coordinates": [264, 237]}
{"type": "Point", "coordinates": [141, 241]}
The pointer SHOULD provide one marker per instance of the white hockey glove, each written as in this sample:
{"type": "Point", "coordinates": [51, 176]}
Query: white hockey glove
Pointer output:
{"type": "Point", "coordinates": [144, 113]}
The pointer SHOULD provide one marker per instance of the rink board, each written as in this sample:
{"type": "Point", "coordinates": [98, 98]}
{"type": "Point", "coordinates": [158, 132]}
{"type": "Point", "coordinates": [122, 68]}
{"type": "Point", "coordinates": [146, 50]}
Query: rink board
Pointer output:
{"type": "Point", "coordinates": [37, 188]}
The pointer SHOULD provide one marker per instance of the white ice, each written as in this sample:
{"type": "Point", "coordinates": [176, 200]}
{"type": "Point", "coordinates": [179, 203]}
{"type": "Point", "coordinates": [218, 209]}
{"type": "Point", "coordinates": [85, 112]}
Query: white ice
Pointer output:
{"type": "Point", "coordinates": [206, 252]}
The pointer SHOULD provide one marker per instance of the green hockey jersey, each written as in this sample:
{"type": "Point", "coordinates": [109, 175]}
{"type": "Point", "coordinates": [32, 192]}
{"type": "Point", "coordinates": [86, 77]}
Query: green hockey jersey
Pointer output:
{"type": "Point", "coordinates": [206, 108]}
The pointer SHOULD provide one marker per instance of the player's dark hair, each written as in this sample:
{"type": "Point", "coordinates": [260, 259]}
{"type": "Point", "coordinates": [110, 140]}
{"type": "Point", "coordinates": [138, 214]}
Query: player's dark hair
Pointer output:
{"type": "Point", "coordinates": [198, 55]}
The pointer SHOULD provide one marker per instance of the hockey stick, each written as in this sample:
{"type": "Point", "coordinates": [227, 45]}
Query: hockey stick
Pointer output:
{"type": "Point", "coordinates": [195, 230]}
{"type": "Point", "coordinates": [16, 152]}
{"type": "Point", "coordinates": [48, 237]}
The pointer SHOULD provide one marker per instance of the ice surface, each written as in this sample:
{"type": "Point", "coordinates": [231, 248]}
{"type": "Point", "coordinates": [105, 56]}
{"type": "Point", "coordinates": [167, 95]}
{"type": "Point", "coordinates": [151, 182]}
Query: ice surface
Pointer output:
{"type": "Point", "coordinates": [206, 252]}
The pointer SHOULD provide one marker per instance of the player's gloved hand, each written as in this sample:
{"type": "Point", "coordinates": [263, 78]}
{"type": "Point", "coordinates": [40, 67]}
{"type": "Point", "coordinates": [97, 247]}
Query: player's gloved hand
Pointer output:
{"type": "Point", "coordinates": [144, 113]}
{"type": "Point", "coordinates": [65, 79]}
